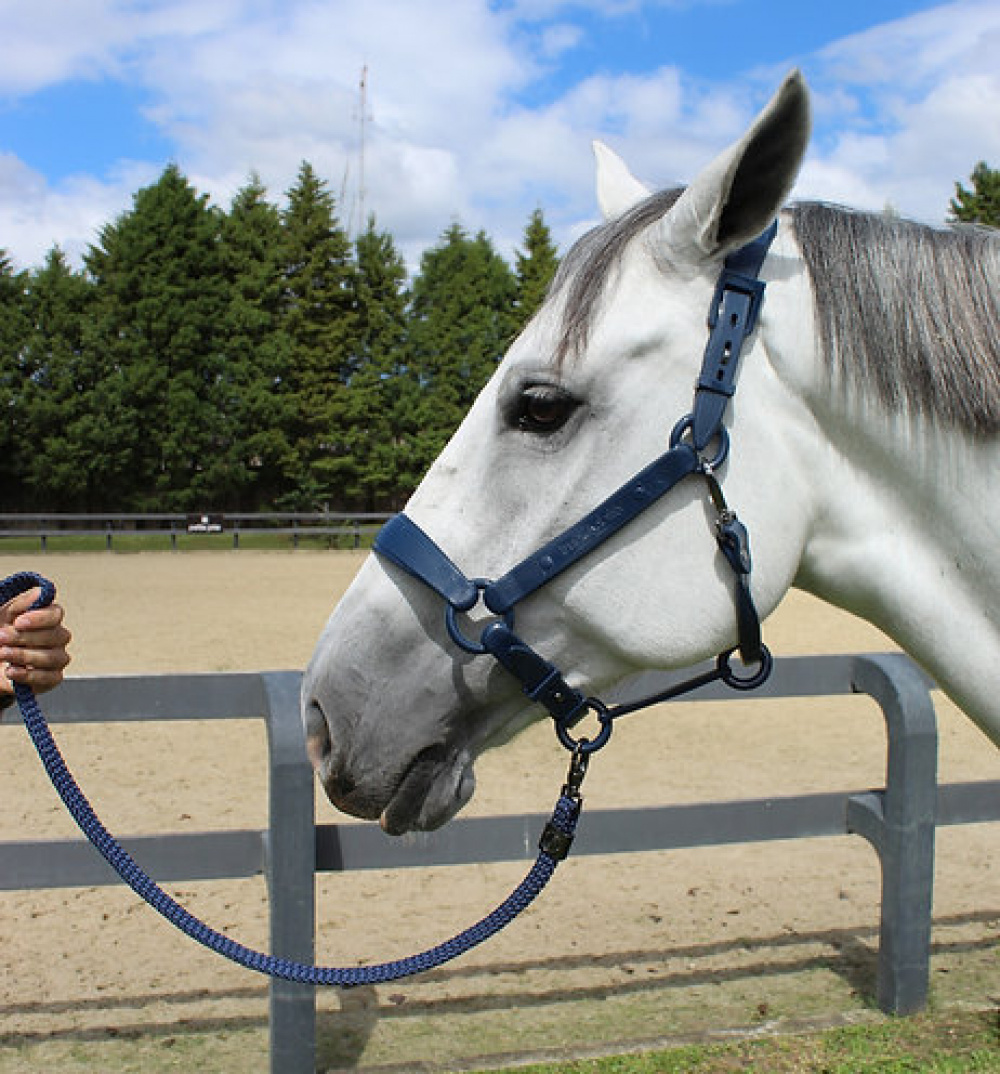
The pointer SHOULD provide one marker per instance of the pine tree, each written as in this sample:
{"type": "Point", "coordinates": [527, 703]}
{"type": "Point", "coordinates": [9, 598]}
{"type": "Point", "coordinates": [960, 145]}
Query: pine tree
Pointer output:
{"type": "Point", "coordinates": [462, 322]}
{"type": "Point", "coordinates": [15, 430]}
{"type": "Point", "coordinates": [155, 339]}
{"type": "Point", "coordinates": [981, 204]}
{"type": "Point", "coordinates": [56, 398]}
{"type": "Point", "coordinates": [318, 318]}
{"type": "Point", "coordinates": [380, 404]}
{"type": "Point", "coordinates": [257, 411]}
{"type": "Point", "coordinates": [535, 268]}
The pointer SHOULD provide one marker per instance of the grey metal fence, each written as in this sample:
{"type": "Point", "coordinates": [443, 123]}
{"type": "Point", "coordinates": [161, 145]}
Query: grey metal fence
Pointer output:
{"type": "Point", "coordinates": [899, 819]}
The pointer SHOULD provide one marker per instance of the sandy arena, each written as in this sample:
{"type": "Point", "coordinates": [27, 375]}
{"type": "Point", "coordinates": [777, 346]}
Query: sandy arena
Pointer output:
{"type": "Point", "coordinates": [664, 946]}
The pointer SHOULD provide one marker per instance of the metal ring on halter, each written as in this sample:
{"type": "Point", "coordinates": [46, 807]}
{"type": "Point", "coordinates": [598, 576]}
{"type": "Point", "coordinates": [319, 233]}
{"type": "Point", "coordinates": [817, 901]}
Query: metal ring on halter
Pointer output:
{"type": "Point", "coordinates": [684, 425]}
{"type": "Point", "coordinates": [585, 746]}
{"type": "Point", "coordinates": [748, 682]}
{"type": "Point", "coordinates": [455, 631]}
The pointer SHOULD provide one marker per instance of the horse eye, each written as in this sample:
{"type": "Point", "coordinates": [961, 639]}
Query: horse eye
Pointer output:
{"type": "Point", "coordinates": [543, 408]}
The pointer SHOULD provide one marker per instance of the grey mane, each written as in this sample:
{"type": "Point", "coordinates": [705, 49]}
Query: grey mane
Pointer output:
{"type": "Point", "coordinates": [908, 315]}
{"type": "Point", "coordinates": [584, 271]}
{"type": "Point", "coordinates": [907, 312]}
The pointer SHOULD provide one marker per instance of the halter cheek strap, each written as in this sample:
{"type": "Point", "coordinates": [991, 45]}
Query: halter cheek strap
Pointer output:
{"type": "Point", "coordinates": [731, 320]}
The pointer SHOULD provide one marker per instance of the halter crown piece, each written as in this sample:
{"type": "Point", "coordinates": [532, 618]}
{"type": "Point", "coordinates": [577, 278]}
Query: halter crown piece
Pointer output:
{"type": "Point", "coordinates": [732, 318]}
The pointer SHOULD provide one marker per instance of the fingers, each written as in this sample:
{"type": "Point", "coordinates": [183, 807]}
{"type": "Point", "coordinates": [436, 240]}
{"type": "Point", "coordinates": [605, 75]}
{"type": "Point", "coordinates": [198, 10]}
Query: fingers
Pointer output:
{"type": "Point", "coordinates": [32, 644]}
{"type": "Point", "coordinates": [16, 612]}
{"type": "Point", "coordinates": [41, 629]}
{"type": "Point", "coordinates": [41, 669]}
{"type": "Point", "coordinates": [39, 678]}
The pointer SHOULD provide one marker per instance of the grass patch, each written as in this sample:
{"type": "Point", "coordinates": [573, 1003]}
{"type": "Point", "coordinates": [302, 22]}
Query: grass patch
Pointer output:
{"type": "Point", "coordinates": [952, 1043]}
{"type": "Point", "coordinates": [224, 1050]}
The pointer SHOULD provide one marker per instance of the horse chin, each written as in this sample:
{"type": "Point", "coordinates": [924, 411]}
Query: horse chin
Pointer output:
{"type": "Point", "coordinates": [431, 791]}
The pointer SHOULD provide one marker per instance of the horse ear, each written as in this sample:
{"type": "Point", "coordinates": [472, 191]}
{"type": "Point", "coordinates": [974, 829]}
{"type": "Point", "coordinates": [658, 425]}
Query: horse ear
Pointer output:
{"type": "Point", "coordinates": [738, 195]}
{"type": "Point", "coordinates": [617, 188]}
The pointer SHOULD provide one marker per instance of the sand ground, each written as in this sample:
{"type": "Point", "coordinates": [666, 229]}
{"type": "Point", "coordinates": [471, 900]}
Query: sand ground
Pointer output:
{"type": "Point", "coordinates": [622, 948]}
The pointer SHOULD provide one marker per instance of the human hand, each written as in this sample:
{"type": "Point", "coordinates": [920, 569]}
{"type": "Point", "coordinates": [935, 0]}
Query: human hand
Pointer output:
{"type": "Point", "coordinates": [32, 644]}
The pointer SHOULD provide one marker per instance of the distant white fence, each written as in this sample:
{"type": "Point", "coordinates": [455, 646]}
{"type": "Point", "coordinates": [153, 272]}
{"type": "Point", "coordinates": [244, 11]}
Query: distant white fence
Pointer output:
{"type": "Point", "coordinates": [899, 820]}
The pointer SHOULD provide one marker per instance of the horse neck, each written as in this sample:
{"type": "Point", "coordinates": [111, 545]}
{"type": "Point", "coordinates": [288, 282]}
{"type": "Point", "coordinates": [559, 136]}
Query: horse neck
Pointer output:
{"type": "Point", "coordinates": [903, 535]}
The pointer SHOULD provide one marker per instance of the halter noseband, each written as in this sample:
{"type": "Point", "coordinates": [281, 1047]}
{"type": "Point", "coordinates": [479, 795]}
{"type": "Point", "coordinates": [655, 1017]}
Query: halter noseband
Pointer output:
{"type": "Point", "coordinates": [731, 320]}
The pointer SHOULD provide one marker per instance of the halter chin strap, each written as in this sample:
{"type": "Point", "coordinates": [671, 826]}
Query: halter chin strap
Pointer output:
{"type": "Point", "coordinates": [731, 320]}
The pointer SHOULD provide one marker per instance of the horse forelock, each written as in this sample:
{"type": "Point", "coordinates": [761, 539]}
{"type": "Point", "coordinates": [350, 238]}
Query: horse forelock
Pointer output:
{"type": "Point", "coordinates": [586, 269]}
{"type": "Point", "coordinates": [907, 314]}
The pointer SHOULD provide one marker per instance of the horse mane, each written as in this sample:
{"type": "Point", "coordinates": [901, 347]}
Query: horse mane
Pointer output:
{"type": "Point", "coordinates": [585, 269]}
{"type": "Point", "coordinates": [907, 313]}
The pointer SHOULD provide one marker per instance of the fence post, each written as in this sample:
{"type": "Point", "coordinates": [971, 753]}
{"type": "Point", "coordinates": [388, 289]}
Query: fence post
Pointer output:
{"type": "Point", "coordinates": [291, 867]}
{"type": "Point", "coordinates": [899, 822]}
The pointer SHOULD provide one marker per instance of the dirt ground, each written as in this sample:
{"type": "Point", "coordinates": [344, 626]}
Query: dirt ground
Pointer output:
{"type": "Point", "coordinates": [621, 949]}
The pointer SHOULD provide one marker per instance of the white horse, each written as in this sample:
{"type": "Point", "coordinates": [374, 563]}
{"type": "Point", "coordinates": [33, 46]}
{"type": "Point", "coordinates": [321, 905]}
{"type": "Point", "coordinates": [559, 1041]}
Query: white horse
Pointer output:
{"type": "Point", "coordinates": [863, 461]}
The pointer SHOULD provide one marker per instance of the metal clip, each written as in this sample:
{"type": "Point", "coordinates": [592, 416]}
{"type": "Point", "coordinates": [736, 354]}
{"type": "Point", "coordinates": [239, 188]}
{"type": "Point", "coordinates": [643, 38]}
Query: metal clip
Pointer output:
{"type": "Point", "coordinates": [577, 770]}
{"type": "Point", "coordinates": [735, 542]}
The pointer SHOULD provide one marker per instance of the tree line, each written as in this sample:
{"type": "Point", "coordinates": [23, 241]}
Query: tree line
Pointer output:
{"type": "Point", "coordinates": [255, 358]}
{"type": "Point", "coordinates": [248, 359]}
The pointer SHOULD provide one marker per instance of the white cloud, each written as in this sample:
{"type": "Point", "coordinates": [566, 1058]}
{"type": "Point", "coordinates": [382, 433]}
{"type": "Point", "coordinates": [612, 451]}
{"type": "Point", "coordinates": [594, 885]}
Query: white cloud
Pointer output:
{"type": "Point", "coordinates": [35, 216]}
{"type": "Point", "coordinates": [541, 10]}
{"type": "Point", "coordinates": [906, 109]}
{"type": "Point", "coordinates": [558, 39]}
{"type": "Point", "coordinates": [902, 111]}
{"type": "Point", "coordinates": [49, 41]}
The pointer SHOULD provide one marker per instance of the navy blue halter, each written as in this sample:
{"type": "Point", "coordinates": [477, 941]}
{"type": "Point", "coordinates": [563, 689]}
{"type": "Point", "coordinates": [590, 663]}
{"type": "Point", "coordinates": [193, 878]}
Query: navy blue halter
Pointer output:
{"type": "Point", "coordinates": [732, 318]}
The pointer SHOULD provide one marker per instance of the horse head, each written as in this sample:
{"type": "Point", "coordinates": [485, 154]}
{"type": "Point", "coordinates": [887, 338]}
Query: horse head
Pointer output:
{"type": "Point", "coordinates": [585, 397]}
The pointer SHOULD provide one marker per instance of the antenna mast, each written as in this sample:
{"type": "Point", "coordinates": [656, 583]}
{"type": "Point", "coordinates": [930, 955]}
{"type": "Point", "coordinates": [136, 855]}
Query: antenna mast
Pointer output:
{"type": "Point", "coordinates": [362, 135]}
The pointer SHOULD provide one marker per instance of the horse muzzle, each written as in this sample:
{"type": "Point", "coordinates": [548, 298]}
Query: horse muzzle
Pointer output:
{"type": "Point", "coordinates": [415, 792]}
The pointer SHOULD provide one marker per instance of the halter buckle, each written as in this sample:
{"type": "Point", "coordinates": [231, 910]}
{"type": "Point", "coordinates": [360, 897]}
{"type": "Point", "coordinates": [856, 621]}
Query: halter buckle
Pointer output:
{"type": "Point", "coordinates": [741, 284]}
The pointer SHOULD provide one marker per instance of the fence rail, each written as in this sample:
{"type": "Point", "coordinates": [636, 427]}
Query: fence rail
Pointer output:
{"type": "Point", "coordinates": [899, 820]}
{"type": "Point", "coordinates": [228, 528]}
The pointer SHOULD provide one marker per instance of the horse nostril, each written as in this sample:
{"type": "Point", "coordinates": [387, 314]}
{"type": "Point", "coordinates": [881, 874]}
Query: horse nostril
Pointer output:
{"type": "Point", "coordinates": [318, 742]}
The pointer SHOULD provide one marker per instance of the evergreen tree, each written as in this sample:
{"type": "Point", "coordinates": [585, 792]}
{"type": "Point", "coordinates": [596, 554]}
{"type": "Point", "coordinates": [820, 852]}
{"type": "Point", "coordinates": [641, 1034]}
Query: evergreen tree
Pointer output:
{"type": "Point", "coordinates": [257, 414]}
{"type": "Point", "coordinates": [462, 322]}
{"type": "Point", "coordinates": [250, 359]}
{"type": "Point", "coordinates": [15, 430]}
{"type": "Point", "coordinates": [380, 390]}
{"type": "Point", "coordinates": [318, 318]}
{"type": "Point", "coordinates": [56, 397]}
{"type": "Point", "coordinates": [981, 204]}
{"type": "Point", "coordinates": [535, 268]}
{"type": "Point", "coordinates": [155, 339]}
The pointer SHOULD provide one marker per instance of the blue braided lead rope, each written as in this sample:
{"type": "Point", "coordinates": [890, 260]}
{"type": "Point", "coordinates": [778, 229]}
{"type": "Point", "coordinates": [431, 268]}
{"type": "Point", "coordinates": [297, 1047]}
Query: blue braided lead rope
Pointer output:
{"type": "Point", "coordinates": [562, 824]}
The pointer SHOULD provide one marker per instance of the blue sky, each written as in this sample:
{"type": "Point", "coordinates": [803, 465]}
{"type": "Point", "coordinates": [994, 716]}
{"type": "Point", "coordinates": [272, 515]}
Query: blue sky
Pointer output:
{"type": "Point", "coordinates": [716, 41]}
{"type": "Point", "coordinates": [81, 126]}
{"type": "Point", "coordinates": [477, 110]}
